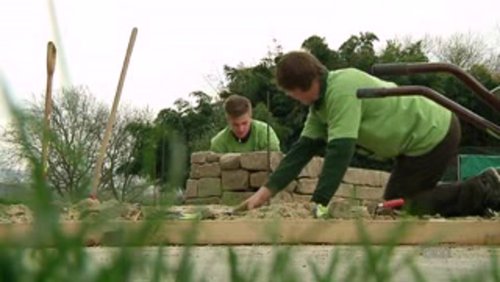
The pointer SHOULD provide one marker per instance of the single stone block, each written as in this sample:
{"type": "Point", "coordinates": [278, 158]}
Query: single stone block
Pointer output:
{"type": "Point", "coordinates": [345, 190]}
{"type": "Point", "coordinates": [191, 189]}
{"type": "Point", "coordinates": [230, 161]}
{"type": "Point", "coordinates": [234, 198]}
{"type": "Point", "coordinates": [367, 177]}
{"type": "Point", "coordinates": [199, 157]}
{"type": "Point", "coordinates": [258, 179]}
{"type": "Point", "coordinates": [235, 180]}
{"type": "Point", "coordinates": [259, 160]}
{"type": "Point", "coordinates": [276, 158]}
{"type": "Point", "coordinates": [209, 187]}
{"type": "Point", "coordinates": [384, 178]}
{"type": "Point", "coordinates": [291, 186]}
{"type": "Point", "coordinates": [213, 157]}
{"type": "Point", "coordinates": [360, 192]}
{"type": "Point", "coordinates": [205, 170]}
{"type": "Point", "coordinates": [313, 168]}
{"type": "Point", "coordinates": [306, 186]}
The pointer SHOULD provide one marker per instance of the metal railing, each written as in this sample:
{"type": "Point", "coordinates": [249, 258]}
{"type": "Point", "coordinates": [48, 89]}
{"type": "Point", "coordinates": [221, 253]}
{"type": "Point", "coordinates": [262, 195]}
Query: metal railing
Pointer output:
{"type": "Point", "coordinates": [410, 68]}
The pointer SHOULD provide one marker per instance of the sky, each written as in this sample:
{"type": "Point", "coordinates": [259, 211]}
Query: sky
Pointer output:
{"type": "Point", "coordinates": [182, 46]}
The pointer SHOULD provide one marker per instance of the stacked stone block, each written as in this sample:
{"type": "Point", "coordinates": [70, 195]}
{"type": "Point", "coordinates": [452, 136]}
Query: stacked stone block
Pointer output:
{"type": "Point", "coordinates": [231, 178]}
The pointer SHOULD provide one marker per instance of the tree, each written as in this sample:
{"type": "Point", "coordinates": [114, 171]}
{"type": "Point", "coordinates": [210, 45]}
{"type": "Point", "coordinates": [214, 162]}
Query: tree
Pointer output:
{"type": "Point", "coordinates": [397, 51]}
{"type": "Point", "coordinates": [358, 51]}
{"type": "Point", "coordinates": [319, 48]}
{"type": "Point", "coordinates": [164, 146]}
{"type": "Point", "coordinates": [77, 125]}
{"type": "Point", "coordinates": [495, 56]}
{"type": "Point", "coordinates": [198, 122]}
{"type": "Point", "coordinates": [409, 51]}
{"type": "Point", "coordinates": [261, 112]}
{"type": "Point", "coordinates": [462, 49]}
{"type": "Point", "coordinates": [471, 53]}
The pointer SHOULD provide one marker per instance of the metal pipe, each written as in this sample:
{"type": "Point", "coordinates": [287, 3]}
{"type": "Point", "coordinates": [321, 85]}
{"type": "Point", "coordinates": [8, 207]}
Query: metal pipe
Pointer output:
{"type": "Point", "coordinates": [411, 68]}
{"type": "Point", "coordinates": [462, 112]}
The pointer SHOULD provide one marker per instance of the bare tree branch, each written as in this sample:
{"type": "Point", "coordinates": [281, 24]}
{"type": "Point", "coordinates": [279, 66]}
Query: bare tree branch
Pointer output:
{"type": "Point", "coordinates": [78, 122]}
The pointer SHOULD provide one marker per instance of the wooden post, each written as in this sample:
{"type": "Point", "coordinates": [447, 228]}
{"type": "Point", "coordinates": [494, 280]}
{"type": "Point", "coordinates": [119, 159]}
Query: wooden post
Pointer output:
{"type": "Point", "coordinates": [51, 63]}
{"type": "Point", "coordinates": [112, 116]}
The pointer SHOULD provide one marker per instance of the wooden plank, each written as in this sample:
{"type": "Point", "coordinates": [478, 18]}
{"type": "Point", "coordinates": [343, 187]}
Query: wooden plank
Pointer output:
{"type": "Point", "coordinates": [243, 232]}
{"type": "Point", "coordinates": [337, 232]}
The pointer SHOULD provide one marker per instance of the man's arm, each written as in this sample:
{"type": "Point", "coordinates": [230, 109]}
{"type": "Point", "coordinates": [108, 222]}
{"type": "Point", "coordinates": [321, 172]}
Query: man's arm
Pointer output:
{"type": "Point", "coordinates": [309, 144]}
{"type": "Point", "coordinates": [344, 116]}
{"type": "Point", "coordinates": [338, 156]}
{"type": "Point", "coordinates": [298, 156]}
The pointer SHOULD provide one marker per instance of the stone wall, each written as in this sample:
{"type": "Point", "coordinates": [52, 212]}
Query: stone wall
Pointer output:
{"type": "Point", "coordinates": [230, 178]}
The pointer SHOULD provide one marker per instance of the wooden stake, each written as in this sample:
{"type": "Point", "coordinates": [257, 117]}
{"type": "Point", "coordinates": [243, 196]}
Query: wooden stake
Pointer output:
{"type": "Point", "coordinates": [112, 116]}
{"type": "Point", "coordinates": [51, 64]}
{"type": "Point", "coordinates": [265, 231]}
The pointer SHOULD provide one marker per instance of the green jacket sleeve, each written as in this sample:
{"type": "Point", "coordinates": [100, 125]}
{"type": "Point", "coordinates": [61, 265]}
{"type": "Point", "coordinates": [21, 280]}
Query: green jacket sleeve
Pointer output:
{"type": "Point", "coordinates": [298, 156]}
{"type": "Point", "coordinates": [338, 156]}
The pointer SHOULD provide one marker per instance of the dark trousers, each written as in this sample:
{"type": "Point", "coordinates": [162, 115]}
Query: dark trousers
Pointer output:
{"type": "Point", "coordinates": [416, 180]}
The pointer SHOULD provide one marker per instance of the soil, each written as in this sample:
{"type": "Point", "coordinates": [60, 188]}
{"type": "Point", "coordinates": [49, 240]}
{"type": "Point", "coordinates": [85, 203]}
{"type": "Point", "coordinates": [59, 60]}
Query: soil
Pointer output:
{"type": "Point", "coordinates": [91, 209]}
{"type": "Point", "coordinates": [278, 210]}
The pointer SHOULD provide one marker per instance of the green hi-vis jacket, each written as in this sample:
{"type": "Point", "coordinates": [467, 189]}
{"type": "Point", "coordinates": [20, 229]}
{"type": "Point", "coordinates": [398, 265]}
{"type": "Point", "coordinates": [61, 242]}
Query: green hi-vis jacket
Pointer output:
{"type": "Point", "coordinates": [226, 142]}
{"type": "Point", "coordinates": [382, 127]}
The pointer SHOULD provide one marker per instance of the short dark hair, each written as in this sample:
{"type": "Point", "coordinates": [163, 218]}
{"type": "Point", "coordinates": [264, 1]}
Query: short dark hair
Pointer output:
{"type": "Point", "coordinates": [236, 105]}
{"type": "Point", "coordinates": [298, 69]}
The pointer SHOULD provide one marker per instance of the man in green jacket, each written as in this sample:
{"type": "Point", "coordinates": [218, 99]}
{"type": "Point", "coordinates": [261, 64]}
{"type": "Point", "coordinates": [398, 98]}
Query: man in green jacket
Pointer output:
{"type": "Point", "coordinates": [420, 135]}
{"type": "Point", "coordinates": [243, 134]}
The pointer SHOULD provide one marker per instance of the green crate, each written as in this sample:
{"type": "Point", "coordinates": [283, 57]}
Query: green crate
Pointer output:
{"type": "Point", "coordinates": [470, 165]}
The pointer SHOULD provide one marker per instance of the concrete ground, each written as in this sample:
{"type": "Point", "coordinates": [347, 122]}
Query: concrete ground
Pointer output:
{"type": "Point", "coordinates": [211, 263]}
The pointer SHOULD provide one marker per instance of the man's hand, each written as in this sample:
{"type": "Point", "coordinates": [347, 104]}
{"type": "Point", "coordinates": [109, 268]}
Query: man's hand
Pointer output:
{"type": "Point", "coordinates": [258, 199]}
